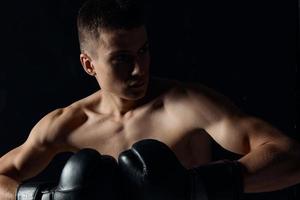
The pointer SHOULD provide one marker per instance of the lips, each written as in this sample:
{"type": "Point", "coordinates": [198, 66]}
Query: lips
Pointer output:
{"type": "Point", "coordinates": [136, 84]}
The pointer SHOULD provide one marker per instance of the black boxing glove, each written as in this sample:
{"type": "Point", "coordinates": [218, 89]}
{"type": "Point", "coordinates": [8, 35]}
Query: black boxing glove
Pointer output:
{"type": "Point", "coordinates": [87, 175]}
{"type": "Point", "coordinates": [153, 172]}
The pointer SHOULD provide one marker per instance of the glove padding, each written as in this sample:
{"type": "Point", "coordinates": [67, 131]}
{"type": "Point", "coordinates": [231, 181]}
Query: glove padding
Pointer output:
{"type": "Point", "coordinates": [86, 175]}
{"type": "Point", "coordinates": [153, 171]}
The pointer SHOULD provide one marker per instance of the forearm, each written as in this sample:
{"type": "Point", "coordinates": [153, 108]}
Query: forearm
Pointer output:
{"type": "Point", "coordinates": [271, 167]}
{"type": "Point", "coordinates": [8, 187]}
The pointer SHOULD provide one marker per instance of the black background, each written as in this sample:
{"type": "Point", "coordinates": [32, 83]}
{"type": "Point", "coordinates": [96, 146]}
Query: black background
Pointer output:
{"type": "Point", "coordinates": [243, 49]}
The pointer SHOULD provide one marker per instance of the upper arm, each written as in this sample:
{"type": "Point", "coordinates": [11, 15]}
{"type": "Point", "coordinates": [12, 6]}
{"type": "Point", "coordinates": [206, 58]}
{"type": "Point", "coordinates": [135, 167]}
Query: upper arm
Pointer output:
{"type": "Point", "coordinates": [202, 108]}
{"type": "Point", "coordinates": [242, 134]}
{"type": "Point", "coordinates": [36, 152]}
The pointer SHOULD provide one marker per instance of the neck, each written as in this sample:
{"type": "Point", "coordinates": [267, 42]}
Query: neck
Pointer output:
{"type": "Point", "coordinates": [119, 107]}
{"type": "Point", "coordinates": [116, 106]}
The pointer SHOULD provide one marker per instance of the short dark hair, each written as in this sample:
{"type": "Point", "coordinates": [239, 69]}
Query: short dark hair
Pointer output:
{"type": "Point", "coordinates": [97, 15]}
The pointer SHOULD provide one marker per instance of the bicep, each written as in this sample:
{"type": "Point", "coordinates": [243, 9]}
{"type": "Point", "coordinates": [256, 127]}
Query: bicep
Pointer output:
{"type": "Point", "coordinates": [221, 119]}
{"type": "Point", "coordinates": [26, 161]}
{"type": "Point", "coordinates": [235, 131]}
{"type": "Point", "coordinates": [33, 158]}
{"type": "Point", "coordinates": [34, 154]}
{"type": "Point", "coordinates": [242, 134]}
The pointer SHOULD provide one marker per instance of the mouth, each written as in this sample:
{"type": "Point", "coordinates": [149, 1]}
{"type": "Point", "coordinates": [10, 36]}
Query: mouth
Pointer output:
{"type": "Point", "coordinates": [137, 84]}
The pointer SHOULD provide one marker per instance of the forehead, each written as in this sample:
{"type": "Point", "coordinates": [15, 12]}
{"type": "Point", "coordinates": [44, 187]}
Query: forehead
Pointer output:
{"type": "Point", "coordinates": [112, 40]}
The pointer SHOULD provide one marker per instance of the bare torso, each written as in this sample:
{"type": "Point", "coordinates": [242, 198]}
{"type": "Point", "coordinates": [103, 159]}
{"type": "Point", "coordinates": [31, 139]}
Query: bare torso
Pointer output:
{"type": "Point", "coordinates": [103, 132]}
{"type": "Point", "coordinates": [181, 116]}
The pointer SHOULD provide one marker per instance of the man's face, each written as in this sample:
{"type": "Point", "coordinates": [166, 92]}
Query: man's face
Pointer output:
{"type": "Point", "coordinates": [122, 62]}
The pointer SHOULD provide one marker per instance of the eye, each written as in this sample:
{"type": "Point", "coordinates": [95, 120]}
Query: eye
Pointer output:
{"type": "Point", "coordinates": [144, 49]}
{"type": "Point", "coordinates": [122, 59]}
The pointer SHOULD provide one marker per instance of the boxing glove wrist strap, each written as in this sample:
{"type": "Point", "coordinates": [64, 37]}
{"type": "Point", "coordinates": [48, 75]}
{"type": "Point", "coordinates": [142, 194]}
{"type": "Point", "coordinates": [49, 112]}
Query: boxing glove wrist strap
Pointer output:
{"type": "Point", "coordinates": [33, 190]}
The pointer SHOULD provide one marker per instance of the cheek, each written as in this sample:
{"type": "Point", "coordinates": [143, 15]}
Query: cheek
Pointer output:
{"type": "Point", "coordinates": [113, 77]}
{"type": "Point", "coordinates": [120, 74]}
{"type": "Point", "coordinates": [105, 71]}
{"type": "Point", "coordinates": [147, 60]}
{"type": "Point", "coordinates": [110, 83]}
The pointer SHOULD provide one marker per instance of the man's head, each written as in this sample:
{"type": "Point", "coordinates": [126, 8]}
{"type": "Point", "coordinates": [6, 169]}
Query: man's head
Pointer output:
{"type": "Point", "coordinates": [114, 45]}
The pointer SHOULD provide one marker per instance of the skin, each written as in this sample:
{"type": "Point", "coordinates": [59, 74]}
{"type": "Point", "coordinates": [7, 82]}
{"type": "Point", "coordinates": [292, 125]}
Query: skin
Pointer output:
{"type": "Point", "coordinates": [185, 117]}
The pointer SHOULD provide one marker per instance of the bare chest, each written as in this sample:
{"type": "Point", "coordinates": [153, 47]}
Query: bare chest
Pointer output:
{"type": "Point", "coordinates": [112, 137]}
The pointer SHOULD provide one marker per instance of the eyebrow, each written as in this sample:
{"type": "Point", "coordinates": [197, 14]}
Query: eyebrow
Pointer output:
{"type": "Point", "coordinates": [126, 51]}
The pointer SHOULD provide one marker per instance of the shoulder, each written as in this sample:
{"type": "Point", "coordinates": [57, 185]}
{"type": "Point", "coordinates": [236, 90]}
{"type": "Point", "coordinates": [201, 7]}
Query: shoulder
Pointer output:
{"type": "Point", "coordinates": [197, 101]}
{"type": "Point", "coordinates": [196, 94]}
{"type": "Point", "coordinates": [55, 127]}
{"type": "Point", "coordinates": [186, 91]}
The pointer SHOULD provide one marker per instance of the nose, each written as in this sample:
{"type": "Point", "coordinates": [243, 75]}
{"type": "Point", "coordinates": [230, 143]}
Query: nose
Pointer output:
{"type": "Point", "coordinates": [138, 69]}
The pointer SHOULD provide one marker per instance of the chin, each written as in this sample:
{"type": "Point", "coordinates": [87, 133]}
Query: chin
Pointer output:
{"type": "Point", "coordinates": [136, 95]}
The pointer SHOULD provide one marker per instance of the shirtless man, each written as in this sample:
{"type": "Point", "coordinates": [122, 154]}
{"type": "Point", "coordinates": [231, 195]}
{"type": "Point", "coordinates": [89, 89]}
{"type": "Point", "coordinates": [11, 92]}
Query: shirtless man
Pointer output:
{"type": "Point", "coordinates": [131, 106]}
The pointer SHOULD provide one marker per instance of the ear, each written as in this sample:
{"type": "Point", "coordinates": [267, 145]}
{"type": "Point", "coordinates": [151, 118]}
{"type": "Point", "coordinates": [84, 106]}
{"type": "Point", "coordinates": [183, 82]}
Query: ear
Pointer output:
{"type": "Point", "coordinates": [87, 65]}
